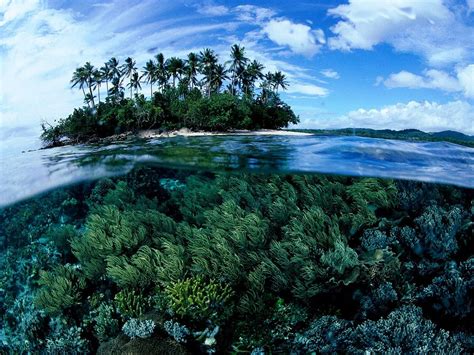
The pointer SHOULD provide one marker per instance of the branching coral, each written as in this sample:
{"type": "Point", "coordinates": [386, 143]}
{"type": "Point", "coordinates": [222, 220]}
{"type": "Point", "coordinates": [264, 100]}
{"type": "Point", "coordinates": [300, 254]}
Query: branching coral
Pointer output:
{"type": "Point", "coordinates": [197, 300]}
{"type": "Point", "coordinates": [105, 321]}
{"type": "Point", "coordinates": [452, 293]}
{"type": "Point", "coordinates": [177, 331]}
{"type": "Point", "coordinates": [435, 233]}
{"type": "Point", "coordinates": [131, 304]}
{"type": "Point", "coordinates": [403, 331]}
{"type": "Point", "coordinates": [65, 339]}
{"type": "Point", "coordinates": [136, 328]}
{"type": "Point", "coordinates": [327, 334]}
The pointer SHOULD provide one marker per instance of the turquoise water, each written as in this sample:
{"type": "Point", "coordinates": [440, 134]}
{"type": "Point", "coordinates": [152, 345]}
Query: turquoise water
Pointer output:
{"type": "Point", "coordinates": [237, 244]}
{"type": "Point", "coordinates": [33, 171]}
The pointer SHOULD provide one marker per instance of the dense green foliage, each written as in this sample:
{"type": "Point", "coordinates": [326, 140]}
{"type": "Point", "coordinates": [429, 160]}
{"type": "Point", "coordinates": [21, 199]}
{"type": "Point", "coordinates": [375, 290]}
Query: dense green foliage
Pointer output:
{"type": "Point", "coordinates": [189, 93]}
{"type": "Point", "coordinates": [314, 263]}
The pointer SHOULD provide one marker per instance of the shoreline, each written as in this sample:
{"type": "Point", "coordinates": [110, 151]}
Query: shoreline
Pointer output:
{"type": "Point", "coordinates": [184, 132]}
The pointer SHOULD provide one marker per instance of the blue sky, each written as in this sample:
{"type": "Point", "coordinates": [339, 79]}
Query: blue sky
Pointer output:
{"type": "Point", "coordinates": [354, 63]}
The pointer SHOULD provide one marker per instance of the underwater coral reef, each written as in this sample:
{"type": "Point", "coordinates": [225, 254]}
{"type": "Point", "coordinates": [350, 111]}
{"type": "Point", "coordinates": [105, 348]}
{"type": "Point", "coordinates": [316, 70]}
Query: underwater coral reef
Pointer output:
{"type": "Point", "coordinates": [255, 263]}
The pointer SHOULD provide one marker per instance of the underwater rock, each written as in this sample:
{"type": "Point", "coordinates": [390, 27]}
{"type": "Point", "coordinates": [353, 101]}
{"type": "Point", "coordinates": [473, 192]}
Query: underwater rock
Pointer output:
{"type": "Point", "coordinates": [122, 345]}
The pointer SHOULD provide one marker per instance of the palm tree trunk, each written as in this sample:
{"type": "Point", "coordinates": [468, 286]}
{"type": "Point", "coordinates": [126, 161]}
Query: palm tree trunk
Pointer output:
{"type": "Point", "coordinates": [84, 92]}
{"type": "Point", "coordinates": [107, 86]}
{"type": "Point", "coordinates": [92, 95]}
{"type": "Point", "coordinates": [151, 90]}
{"type": "Point", "coordinates": [232, 83]}
{"type": "Point", "coordinates": [98, 93]}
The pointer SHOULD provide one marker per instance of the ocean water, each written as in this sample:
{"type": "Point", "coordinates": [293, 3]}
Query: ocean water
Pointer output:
{"type": "Point", "coordinates": [238, 244]}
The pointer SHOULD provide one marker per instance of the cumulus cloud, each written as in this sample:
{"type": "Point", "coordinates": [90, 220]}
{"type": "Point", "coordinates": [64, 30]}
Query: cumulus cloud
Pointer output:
{"type": "Point", "coordinates": [301, 39]}
{"type": "Point", "coordinates": [330, 73]}
{"type": "Point", "coordinates": [425, 27]}
{"type": "Point", "coordinates": [466, 79]}
{"type": "Point", "coordinates": [426, 116]}
{"type": "Point", "coordinates": [434, 79]}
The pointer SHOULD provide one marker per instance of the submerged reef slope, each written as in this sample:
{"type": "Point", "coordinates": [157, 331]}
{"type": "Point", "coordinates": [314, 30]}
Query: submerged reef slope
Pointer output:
{"type": "Point", "coordinates": [317, 263]}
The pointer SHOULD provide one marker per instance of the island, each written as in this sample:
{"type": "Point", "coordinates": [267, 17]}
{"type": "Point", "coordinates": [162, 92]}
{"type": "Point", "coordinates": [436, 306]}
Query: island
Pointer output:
{"type": "Point", "coordinates": [198, 93]}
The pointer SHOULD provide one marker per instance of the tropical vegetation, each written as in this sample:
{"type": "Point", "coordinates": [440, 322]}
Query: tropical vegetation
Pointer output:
{"type": "Point", "coordinates": [197, 92]}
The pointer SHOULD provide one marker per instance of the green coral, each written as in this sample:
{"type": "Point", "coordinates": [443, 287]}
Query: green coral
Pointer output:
{"type": "Point", "coordinates": [60, 289]}
{"type": "Point", "coordinates": [112, 233]}
{"type": "Point", "coordinates": [198, 300]}
{"type": "Point", "coordinates": [106, 324]}
{"type": "Point", "coordinates": [131, 303]}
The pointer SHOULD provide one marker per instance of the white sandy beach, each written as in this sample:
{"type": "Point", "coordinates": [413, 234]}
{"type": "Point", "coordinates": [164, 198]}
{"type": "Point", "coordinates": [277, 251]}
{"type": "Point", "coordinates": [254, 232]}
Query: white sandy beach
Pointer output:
{"type": "Point", "coordinates": [152, 133]}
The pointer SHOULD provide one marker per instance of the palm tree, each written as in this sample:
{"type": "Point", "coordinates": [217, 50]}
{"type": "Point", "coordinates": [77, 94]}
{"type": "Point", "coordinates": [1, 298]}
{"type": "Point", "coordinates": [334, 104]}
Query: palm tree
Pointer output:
{"type": "Point", "coordinates": [98, 80]}
{"type": "Point", "coordinates": [89, 98]}
{"type": "Point", "coordinates": [192, 65]}
{"type": "Point", "coordinates": [237, 64]}
{"type": "Point", "coordinates": [208, 61]}
{"type": "Point", "coordinates": [128, 69]}
{"type": "Point", "coordinates": [134, 82]}
{"type": "Point", "coordinates": [279, 80]}
{"type": "Point", "coordinates": [106, 75]}
{"type": "Point", "coordinates": [114, 68]}
{"type": "Point", "coordinates": [116, 91]}
{"type": "Point", "coordinates": [252, 73]}
{"type": "Point", "coordinates": [219, 76]}
{"type": "Point", "coordinates": [175, 66]}
{"type": "Point", "coordinates": [79, 78]}
{"type": "Point", "coordinates": [89, 74]}
{"type": "Point", "coordinates": [161, 73]}
{"type": "Point", "coordinates": [149, 72]}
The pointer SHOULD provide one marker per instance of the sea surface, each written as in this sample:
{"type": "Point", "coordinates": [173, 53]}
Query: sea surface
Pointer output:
{"type": "Point", "coordinates": [30, 171]}
{"type": "Point", "coordinates": [237, 244]}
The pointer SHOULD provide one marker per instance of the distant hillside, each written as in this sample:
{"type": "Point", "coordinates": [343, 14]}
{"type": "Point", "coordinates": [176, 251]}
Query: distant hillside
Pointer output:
{"type": "Point", "coordinates": [406, 134]}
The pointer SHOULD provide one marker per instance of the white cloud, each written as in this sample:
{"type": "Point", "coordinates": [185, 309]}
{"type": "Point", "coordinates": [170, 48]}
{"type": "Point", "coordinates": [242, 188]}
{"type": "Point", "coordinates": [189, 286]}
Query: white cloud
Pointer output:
{"type": "Point", "coordinates": [307, 89]}
{"type": "Point", "coordinates": [470, 6]}
{"type": "Point", "coordinates": [466, 79]}
{"type": "Point", "coordinates": [330, 73]}
{"type": "Point", "coordinates": [426, 116]}
{"type": "Point", "coordinates": [15, 9]}
{"type": "Point", "coordinates": [425, 27]}
{"type": "Point", "coordinates": [434, 79]}
{"type": "Point", "coordinates": [214, 10]}
{"type": "Point", "coordinates": [253, 14]}
{"type": "Point", "coordinates": [301, 39]}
